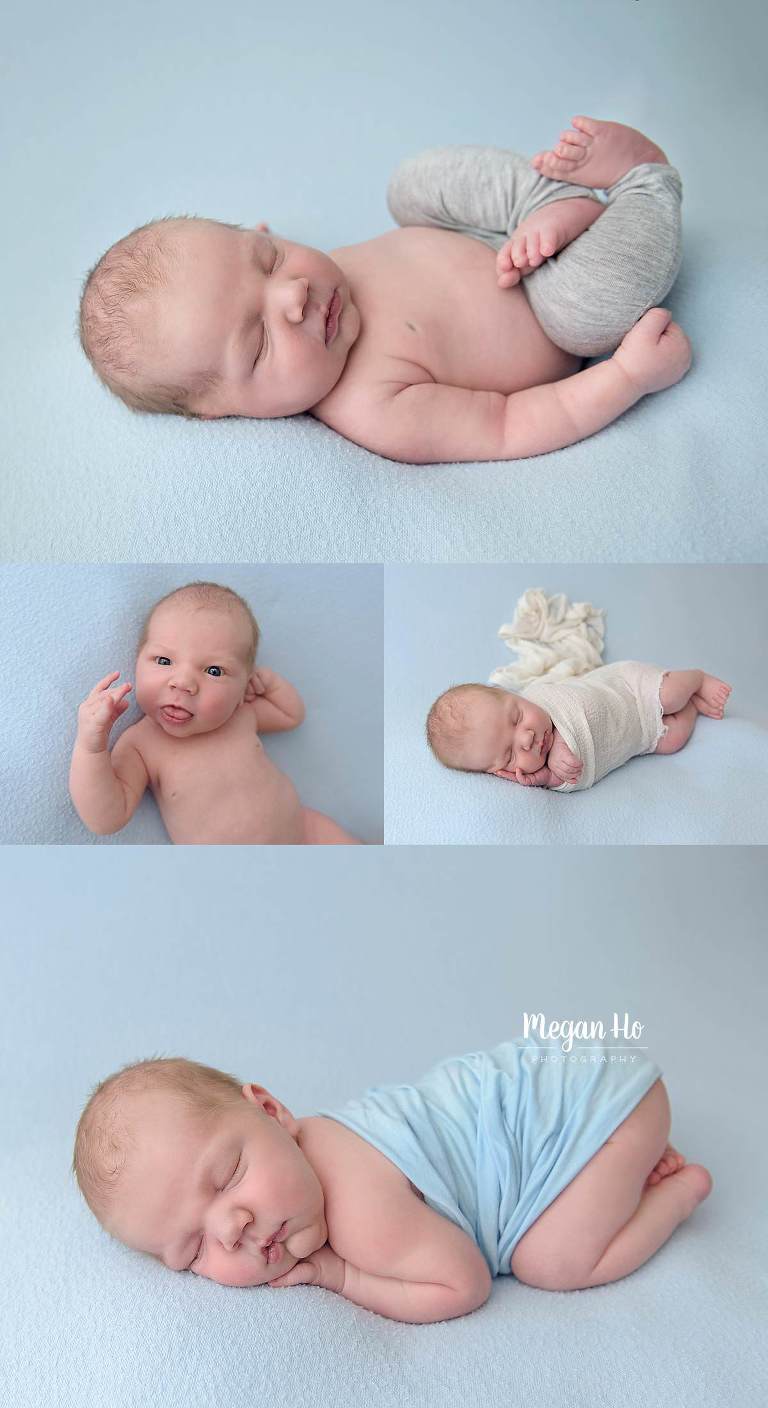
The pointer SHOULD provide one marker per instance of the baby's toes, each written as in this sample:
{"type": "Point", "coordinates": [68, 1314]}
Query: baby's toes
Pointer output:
{"type": "Point", "coordinates": [568, 151]}
{"type": "Point", "coordinates": [586, 126]}
{"type": "Point", "coordinates": [533, 252]}
{"type": "Point", "coordinates": [548, 243]}
{"type": "Point", "coordinates": [576, 138]}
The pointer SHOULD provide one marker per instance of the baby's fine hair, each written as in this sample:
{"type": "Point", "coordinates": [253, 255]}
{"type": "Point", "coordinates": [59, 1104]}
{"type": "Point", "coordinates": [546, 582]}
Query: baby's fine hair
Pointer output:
{"type": "Point", "coordinates": [105, 1133]}
{"type": "Point", "coordinates": [115, 293]}
{"type": "Point", "coordinates": [206, 596]}
{"type": "Point", "coordinates": [448, 722]}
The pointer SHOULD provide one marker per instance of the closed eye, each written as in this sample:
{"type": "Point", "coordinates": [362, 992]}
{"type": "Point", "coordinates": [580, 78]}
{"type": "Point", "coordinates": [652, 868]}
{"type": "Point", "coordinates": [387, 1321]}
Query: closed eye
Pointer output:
{"type": "Point", "coordinates": [263, 345]}
{"type": "Point", "coordinates": [228, 1184]}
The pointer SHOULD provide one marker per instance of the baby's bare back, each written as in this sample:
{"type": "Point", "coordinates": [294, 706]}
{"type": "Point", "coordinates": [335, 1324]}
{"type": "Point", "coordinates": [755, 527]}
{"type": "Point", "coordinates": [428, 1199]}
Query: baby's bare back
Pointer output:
{"type": "Point", "coordinates": [220, 788]}
{"type": "Point", "coordinates": [431, 310]}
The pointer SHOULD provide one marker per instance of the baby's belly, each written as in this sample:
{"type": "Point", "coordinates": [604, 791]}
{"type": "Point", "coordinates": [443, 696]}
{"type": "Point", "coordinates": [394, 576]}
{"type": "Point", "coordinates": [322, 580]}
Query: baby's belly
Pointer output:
{"type": "Point", "coordinates": [430, 297]}
{"type": "Point", "coordinates": [252, 805]}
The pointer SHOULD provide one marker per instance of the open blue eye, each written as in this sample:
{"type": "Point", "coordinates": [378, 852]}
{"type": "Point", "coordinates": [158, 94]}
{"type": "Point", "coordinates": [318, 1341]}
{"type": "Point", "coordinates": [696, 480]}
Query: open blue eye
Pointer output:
{"type": "Point", "coordinates": [162, 660]}
{"type": "Point", "coordinates": [214, 670]}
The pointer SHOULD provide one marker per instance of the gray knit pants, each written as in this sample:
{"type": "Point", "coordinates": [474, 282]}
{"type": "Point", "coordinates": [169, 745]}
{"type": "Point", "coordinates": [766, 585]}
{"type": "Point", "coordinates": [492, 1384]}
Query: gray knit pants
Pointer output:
{"type": "Point", "coordinates": [587, 297]}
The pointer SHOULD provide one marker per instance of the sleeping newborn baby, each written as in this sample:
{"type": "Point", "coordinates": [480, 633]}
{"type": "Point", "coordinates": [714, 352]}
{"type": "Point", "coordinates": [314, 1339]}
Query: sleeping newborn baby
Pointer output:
{"type": "Point", "coordinates": [406, 1201]}
{"type": "Point", "coordinates": [568, 733]}
{"type": "Point", "coordinates": [198, 746]}
{"type": "Point", "coordinates": [458, 337]}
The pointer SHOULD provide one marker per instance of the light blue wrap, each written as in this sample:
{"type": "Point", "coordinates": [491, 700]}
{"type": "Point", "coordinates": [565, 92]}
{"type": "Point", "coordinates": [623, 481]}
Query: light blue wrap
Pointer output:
{"type": "Point", "coordinates": [491, 1138]}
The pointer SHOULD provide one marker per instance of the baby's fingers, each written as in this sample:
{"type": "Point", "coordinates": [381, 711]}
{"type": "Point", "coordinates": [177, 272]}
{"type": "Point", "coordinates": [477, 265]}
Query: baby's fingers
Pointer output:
{"type": "Point", "coordinates": [303, 1273]}
{"type": "Point", "coordinates": [104, 684]}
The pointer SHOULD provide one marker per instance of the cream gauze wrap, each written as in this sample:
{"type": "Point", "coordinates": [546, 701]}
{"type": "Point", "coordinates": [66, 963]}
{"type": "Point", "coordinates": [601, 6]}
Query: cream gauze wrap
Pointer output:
{"type": "Point", "coordinates": [606, 716]}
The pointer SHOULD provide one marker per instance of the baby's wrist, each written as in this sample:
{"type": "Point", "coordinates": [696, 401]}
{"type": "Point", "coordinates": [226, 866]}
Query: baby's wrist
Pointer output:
{"type": "Point", "coordinates": [92, 746]}
{"type": "Point", "coordinates": [626, 376]}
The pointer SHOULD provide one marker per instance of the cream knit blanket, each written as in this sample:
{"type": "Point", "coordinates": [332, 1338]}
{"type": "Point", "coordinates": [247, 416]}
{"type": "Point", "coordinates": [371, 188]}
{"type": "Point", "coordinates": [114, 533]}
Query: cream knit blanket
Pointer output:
{"type": "Point", "coordinates": [606, 714]}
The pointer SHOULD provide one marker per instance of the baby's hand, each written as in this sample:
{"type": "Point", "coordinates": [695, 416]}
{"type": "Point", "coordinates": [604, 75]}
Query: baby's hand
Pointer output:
{"type": "Point", "coordinates": [99, 711]}
{"type": "Point", "coordinates": [655, 353]}
{"type": "Point", "coordinates": [323, 1268]}
{"type": "Point", "coordinates": [565, 765]}
{"type": "Point", "coordinates": [263, 680]}
{"type": "Point", "coordinates": [541, 778]}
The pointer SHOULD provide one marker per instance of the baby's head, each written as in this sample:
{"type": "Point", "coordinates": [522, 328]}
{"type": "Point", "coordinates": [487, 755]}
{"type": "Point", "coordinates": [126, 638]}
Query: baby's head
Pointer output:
{"type": "Point", "coordinates": [195, 659]}
{"type": "Point", "coordinates": [183, 1162]}
{"type": "Point", "coordinates": [478, 728]}
{"type": "Point", "coordinates": [204, 319]}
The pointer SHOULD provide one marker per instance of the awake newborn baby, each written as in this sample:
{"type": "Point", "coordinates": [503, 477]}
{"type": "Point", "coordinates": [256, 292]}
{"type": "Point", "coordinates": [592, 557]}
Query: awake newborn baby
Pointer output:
{"type": "Point", "coordinates": [198, 746]}
{"type": "Point", "coordinates": [458, 337]}
{"type": "Point", "coordinates": [407, 1201]}
{"type": "Point", "coordinates": [568, 733]}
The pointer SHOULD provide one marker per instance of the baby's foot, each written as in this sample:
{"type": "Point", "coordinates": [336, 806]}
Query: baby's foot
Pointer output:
{"type": "Point", "coordinates": [671, 1161]}
{"type": "Point", "coordinates": [712, 696]}
{"type": "Point", "coordinates": [694, 1183]}
{"type": "Point", "coordinates": [543, 234]}
{"type": "Point", "coordinates": [597, 153]}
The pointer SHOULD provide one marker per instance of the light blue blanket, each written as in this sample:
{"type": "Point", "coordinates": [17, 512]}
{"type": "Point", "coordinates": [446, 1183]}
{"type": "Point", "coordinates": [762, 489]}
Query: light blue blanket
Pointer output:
{"type": "Point", "coordinates": [217, 130]}
{"type": "Point", "coordinates": [492, 1137]}
{"type": "Point", "coordinates": [323, 979]}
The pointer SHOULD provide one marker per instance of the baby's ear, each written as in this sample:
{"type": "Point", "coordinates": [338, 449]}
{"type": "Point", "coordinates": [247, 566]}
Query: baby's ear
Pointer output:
{"type": "Point", "coordinates": [263, 227]}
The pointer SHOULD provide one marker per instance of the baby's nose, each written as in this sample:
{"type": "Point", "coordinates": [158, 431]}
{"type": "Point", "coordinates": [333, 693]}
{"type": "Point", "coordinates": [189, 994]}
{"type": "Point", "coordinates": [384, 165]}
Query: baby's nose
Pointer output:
{"type": "Point", "coordinates": [233, 1231]}
{"type": "Point", "coordinates": [296, 300]}
{"type": "Point", "coordinates": [183, 682]}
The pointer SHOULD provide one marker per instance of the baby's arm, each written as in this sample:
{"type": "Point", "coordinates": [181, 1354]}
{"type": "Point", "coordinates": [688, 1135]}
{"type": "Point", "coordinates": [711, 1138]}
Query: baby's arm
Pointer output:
{"type": "Point", "coordinates": [425, 422]}
{"type": "Point", "coordinates": [426, 1268]}
{"type": "Point", "coordinates": [105, 787]}
{"type": "Point", "coordinates": [277, 704]}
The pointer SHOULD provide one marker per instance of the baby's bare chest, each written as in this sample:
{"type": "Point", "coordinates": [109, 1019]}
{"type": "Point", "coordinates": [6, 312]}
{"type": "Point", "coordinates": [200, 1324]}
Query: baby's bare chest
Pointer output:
{"type": "Point", "coordinates": [429, 301]}
{"type": "Point", "coordinates": [207, 766]}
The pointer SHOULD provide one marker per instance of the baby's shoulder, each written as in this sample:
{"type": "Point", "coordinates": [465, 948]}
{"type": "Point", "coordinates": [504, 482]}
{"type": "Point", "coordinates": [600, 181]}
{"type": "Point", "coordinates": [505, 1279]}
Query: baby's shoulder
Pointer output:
{"type": "Point", "coordinates": [360, 1184]}
{"type": "Point", "coordinates": [377, 1219]}
{"type": "Point", "coordinates": [140, 738]}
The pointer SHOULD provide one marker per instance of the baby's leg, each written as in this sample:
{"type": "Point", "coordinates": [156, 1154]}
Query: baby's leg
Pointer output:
{"type": "Point", "coordinates": [627, 260]}
{"type": "Point", "coordinates": [319, 830]}
{"type": "Point", "coordinates": [610, 1220]}
{"type": "Point", "coordinates": [708, 694]}
{"type": "Point", "coordinates": [484, 192]}
{"type": "Point", "coordinates": [680, 726]}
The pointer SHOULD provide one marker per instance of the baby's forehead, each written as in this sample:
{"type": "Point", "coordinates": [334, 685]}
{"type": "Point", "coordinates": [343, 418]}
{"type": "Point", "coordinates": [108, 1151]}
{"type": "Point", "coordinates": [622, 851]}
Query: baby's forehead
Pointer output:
{"type": "Point", "coordinates": [226, 622]}
{"type": "Point", "coordinates": [483, 703]}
